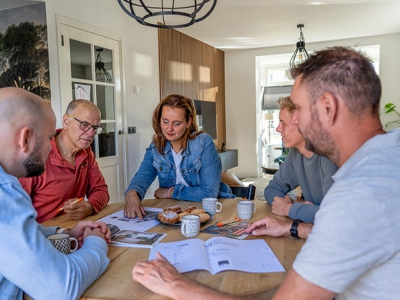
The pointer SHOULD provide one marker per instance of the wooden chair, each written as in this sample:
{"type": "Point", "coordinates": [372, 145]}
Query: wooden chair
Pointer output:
{"type": "Point", "coordinates": [247, 192]}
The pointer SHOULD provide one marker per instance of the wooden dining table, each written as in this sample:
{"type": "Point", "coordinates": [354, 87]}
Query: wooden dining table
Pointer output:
{"type": "Point", "coordinates": [116, 282]}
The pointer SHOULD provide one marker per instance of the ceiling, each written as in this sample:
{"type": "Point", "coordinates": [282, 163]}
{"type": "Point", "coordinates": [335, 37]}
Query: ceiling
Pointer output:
{"type": "Point", "coordinates": [245, 24]}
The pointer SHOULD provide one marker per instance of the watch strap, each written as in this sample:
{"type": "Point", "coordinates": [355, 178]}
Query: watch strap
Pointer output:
{"type": "Point", "coordinates": [293, 230]}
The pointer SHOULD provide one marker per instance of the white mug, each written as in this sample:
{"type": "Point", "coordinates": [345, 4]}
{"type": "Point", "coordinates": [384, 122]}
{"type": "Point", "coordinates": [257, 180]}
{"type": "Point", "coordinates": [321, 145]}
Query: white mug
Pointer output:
{"type": "Point", "coordinates": [246, 209]}
{"type": "Point", "coordinates": [211, 205]}
{"type": "Point", "coordinates": [190, 225]}
{"type": "Point", "coordinates": [62, 242]}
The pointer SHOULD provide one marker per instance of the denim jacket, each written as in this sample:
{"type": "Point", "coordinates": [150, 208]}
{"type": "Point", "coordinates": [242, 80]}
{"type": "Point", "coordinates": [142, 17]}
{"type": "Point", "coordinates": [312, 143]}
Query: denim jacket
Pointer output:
{"type": "Point", "coordinates": [200, 168]}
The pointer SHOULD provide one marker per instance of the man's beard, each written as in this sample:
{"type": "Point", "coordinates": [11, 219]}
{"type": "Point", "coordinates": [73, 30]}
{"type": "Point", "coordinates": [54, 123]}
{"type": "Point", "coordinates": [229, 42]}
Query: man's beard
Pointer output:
{"type": "Point", "coordinates": [33, 164]}
{"type": "Point", "coordinates": [317, 139]}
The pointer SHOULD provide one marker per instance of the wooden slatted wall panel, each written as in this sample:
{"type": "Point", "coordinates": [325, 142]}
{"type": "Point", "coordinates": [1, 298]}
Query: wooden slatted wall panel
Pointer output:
{"type": "Point", "coordinates": [193, 69]}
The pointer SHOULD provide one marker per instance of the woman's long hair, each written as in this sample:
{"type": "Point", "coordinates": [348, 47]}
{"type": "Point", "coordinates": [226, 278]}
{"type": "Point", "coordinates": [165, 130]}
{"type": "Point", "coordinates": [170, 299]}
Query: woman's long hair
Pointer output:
{"type": "Point", "coordinates": [175, 101]}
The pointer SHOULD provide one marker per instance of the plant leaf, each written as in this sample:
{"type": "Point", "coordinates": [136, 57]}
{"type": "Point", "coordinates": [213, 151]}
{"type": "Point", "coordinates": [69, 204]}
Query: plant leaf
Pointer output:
{"type": "Point", "coordinates": [388, 105]}
{"type": "Point", "coordinates": [389, 110]}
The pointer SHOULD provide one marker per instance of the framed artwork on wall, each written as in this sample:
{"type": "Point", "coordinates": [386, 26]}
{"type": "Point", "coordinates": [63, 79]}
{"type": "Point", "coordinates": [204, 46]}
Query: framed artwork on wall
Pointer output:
{"type": "Point", "coordinates": [24, 58]}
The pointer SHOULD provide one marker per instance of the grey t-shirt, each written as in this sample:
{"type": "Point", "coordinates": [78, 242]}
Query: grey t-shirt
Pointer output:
{"type": "Point", "coordinates": [313, 175]}
{"type": "Point", "coordinates": [354, 246]}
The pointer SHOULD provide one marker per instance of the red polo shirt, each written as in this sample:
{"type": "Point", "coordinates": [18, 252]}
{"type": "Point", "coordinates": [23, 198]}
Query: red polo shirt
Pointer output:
{"type": "Point", "coordinates": [61, 181]}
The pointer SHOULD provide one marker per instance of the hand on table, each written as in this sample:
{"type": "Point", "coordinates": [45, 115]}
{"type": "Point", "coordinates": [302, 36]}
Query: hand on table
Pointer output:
{"type": "Point", "coordinates": [281, 206]}
{"type": "Point", "coordinates": [85, 228]}
{"type": "Point", "coordinates": [157, 275]}
{"type": "Point", "coordinates": [133, 206]}
{"type": "Point", "coordinates": [162, 193]}
{"type": "Point", "coordinates": [162, 278]}
{"type": "Point", "coordinates": [78, 211]}
{"type": "Point", "coordinates": [267, 226]}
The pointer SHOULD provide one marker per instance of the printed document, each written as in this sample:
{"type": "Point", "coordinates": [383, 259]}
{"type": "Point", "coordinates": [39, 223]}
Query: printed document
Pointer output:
{"type": "Point", "coordinates": [219, 254]}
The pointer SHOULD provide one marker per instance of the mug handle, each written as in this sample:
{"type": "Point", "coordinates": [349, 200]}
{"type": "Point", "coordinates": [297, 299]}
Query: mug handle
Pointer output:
{"type": "Point", "coordinates": [218, 204]}
{"type": "Point", "coordinates": [183, 228]}
{"type": "Point", "coordinates": [255, 207]}
{"type": "Point", "coordinates": [76, 244]}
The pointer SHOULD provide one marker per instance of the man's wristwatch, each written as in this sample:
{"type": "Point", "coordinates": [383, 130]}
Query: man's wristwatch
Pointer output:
{"type": "Point", "coordinates": [293, 230]}
{"type": "Point", "coordinates": [61, 230]}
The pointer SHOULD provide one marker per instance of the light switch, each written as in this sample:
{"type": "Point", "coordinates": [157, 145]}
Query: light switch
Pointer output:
{"type": "Point", "coordinates": [131, 130]}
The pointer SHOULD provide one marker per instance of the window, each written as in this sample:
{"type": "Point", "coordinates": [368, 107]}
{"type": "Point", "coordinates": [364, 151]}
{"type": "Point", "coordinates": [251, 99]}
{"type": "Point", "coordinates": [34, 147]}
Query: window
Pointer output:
{"type": "Point", "coordinates": [277, 76]}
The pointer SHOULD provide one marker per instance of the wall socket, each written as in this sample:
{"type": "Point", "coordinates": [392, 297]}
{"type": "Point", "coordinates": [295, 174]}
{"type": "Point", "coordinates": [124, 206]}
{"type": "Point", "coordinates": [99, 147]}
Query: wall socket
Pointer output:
{"type": "Point", "coordinates": [131, 130]}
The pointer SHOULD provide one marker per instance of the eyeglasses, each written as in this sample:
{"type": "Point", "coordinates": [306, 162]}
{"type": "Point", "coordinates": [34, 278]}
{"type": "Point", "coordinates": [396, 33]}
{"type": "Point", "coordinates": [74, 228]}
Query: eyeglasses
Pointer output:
{"type": "Point", "coordinates": [84, 126]}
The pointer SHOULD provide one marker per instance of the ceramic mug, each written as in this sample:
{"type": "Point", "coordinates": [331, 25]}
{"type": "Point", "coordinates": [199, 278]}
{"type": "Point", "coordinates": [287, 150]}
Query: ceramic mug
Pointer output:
{"type": "Point", "coordinates": [62, 242]}
{"type": "Point", "coordinates": [246, 209]}
{"type": "Point", "coordinates": [190, 225]}
{"type": "Point", "coordinates": [211, 205]}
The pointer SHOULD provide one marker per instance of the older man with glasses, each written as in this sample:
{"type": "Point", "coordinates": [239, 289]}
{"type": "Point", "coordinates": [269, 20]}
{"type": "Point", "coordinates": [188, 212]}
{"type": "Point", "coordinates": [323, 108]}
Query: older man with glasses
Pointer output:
{"type": "Point", "coordinates": [71, 169]}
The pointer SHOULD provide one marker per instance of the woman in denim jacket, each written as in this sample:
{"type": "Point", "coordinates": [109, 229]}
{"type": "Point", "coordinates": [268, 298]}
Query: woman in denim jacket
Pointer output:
{"type": "Point", "coordinates": [185, 160]}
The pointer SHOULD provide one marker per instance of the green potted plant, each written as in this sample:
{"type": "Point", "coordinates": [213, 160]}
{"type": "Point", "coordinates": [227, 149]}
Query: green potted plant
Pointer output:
{"type": "Point", "coordinates": [280, 159]}
{"type": "Point", "coordinates": [390, 107]}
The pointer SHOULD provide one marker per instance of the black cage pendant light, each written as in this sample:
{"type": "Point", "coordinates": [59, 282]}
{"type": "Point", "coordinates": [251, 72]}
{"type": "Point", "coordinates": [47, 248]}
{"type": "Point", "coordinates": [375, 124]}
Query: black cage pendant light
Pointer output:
{"type": "Point", "coordinates": [101, 73]}
{"type": "Point", "coordinates": [168, 13]}
{"type": "Point", "coordinates": [300, 54]}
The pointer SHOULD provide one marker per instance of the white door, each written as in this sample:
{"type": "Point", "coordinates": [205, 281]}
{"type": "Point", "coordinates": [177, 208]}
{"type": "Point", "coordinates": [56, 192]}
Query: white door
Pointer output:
{"type": "Point", "coordinates": [90, 68]}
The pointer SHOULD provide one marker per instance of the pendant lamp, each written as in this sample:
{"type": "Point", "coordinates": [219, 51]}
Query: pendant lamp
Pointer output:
{"type": "Point", "coordinates": [300, 54]}
{"type": "Point", "coordinates": [101, 73]}
{"type": "Point", "coordinates": [168, 13]}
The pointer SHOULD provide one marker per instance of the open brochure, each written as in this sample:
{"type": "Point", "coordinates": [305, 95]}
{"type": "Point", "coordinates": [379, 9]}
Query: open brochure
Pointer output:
{"type": "Point", "coordinates": [219, 254]}
{"type": "Point", "coordinates": [130, 238]}
{"type": "Point", "coordinates": [124, 223]}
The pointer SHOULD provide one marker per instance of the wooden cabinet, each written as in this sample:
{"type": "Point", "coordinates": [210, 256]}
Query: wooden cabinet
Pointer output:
{"type": "Point", "coordinates": [194, 69]}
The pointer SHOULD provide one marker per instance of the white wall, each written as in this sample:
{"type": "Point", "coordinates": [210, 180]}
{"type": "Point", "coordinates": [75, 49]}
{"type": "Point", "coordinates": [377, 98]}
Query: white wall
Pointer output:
{"type": "Point", "coordinates": [240, 87]}
{"type": "Point", "coordinates": [139, 64]}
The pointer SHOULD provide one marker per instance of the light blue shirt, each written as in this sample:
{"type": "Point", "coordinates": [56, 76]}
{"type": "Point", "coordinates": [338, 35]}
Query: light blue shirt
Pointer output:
{"type": "Point", "coordinates": [200, 168]}
{"type": "Point", "coordinates": [354, 246]}
{"type": "Point", "coordinates": [30, 263]}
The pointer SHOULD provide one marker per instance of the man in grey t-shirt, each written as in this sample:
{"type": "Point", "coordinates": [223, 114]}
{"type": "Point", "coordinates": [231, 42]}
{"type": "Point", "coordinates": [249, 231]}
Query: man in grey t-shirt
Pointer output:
{"type": "Point", "coordinates": [302, 167]}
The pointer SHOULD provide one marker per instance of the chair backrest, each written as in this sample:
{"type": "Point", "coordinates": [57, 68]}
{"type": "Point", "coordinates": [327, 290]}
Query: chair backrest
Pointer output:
{"type": "Point", "coordinates": [247, 192]}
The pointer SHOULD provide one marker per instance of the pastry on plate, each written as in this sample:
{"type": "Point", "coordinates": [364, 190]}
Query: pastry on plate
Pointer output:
{"type": "Point", "coordinates": [173, 208]}
{"type": "Point", "coordinates": [189, 209]}
{"type": "Point", "coordinates": [197, 211]}
{"type": "Point", "coordinates": [204, 217]}
{"type": "Point", "coordinates": [170, 217]}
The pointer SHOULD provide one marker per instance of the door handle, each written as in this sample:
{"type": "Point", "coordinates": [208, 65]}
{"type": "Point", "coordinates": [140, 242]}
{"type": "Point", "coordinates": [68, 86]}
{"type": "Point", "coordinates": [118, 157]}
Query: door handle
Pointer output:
{"type": "Point", "coordinates": [121, 132]}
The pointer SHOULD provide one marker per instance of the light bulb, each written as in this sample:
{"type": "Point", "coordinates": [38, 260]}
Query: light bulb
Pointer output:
{"type": "Point", "coordinates": [100, 76]}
